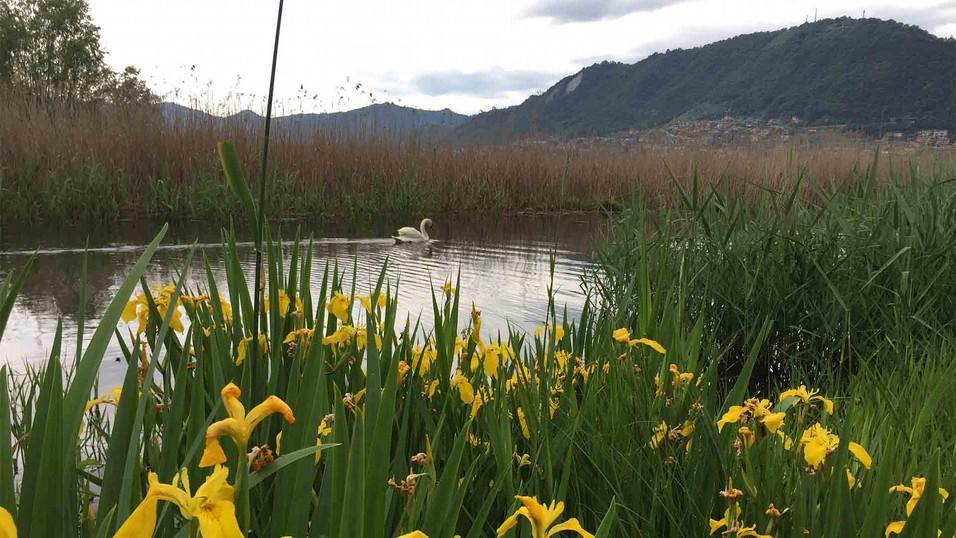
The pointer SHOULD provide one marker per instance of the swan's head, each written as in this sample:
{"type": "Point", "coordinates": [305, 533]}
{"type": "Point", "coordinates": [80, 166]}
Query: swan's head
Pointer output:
{"type": "Point", "coordinates": [426, 222]}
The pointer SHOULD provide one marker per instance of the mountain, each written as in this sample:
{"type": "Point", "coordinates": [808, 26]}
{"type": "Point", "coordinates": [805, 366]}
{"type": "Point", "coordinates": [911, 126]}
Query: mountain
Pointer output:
{"type": "Point", "coordinates": [861, 72]}
{"type": "Point", "coordinates": [379, 119]}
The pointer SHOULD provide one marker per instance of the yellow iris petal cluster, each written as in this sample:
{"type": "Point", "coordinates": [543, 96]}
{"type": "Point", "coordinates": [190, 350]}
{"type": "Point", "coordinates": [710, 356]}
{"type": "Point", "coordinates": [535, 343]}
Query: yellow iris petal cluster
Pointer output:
{"type": "Point", "coordinates": [556, 331]}
{"type": "Point", "coordinates": [623, 335]}
{"type": "Point", "coordinates": [818, 442]}
{"type": "Point", "coordinates": [138, 308]}
{"type": "Point", "coordinates": [807, 397]}
{"type": "Point", "coordinates": [245, 347]}
{"type": "Point", "coordinates": [239, 425]}
{"type": "Point", "coordinates": [112, 397]}
{"type": "Point", "coordinates": [367, 300]}
{"type": "Point", "coordinates": [284, 303]}
{"type": "Point", "coordinates": [758, 409]}
{"type": "Point", "coordinates": [915, 490]}
{"type": "Point", "coordinates": [212, 506]}
{"type": "Point", "coordinates": [731, 519]}
{"type": "Point", "coordinates": [542, 518]}
{"type": "Point", "coordinates": [339, 306]}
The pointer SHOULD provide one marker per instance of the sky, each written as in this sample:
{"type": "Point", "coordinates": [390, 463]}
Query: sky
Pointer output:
{"type": "Point", "coordinates": [466, 55]}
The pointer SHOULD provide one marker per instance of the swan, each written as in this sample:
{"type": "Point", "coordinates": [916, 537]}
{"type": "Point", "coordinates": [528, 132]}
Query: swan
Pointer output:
{"type": "Point", "coordinates": [411, 235]}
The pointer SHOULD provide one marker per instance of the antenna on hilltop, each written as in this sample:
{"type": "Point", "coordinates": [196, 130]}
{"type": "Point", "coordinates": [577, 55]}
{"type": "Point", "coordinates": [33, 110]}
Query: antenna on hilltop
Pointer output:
{"type": "Point", "coordinates": [814, 14]}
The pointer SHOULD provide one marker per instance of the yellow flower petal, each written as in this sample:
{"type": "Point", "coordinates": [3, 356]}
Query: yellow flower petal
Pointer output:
{"type": "Point", "coordinates": [213, 453]}
{"type": "Point", "coordinates": [511, 521]}
{"type": "Point", "coordinates": [271, 405]}
{"type": "Point", "coordinates": [621, 335]}
{"type": "Point", "coordinates": [717, 524]}
{"type": "Point", "coordinates": [414, 534]}
{"type": "Point", "coordinates": [218, 520]}
{"type": "Point", "coordinates": [653, 344]}
{"type": "Point", "coordinates": [895, 527]}
{"type": "Point", "coordinates": [773, 421]}
{"type": "Point", "coordinates": [7, 527]}
{"type": "Point", "coordinates": [141, 522]}
{"type": "Point", "coordinates": [860, 454]}
{"type": "Point", "coordinates": [570, 525]}
{"type": "Point", "coordinates": [339, 306]}
{"type": "Point", "coordinates": [814, 453]}
{"type": "Point", "coordinates": [731, 416]}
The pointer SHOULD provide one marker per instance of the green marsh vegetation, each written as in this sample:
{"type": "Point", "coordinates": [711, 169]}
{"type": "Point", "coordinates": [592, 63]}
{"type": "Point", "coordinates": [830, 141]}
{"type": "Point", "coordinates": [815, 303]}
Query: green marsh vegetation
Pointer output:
{"type": "Point", "coordinates": [677, 404]}
{"type": "Point", "coordinates": [388, 427]}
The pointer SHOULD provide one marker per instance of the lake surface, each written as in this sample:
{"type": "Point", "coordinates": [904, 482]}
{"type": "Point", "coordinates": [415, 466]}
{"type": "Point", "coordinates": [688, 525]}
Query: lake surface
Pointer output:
{"type": "Point", "coordinates": [504, 263]}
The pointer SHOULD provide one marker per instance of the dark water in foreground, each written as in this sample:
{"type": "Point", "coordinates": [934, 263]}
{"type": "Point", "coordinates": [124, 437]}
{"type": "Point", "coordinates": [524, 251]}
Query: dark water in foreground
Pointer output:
{"type": "Point", "coordinates": [504, 265]}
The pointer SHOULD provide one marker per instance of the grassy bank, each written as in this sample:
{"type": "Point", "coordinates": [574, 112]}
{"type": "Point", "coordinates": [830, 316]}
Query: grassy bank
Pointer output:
{"type": "Point", "coordinates": [665, 410]}
{"type": "Point", "coordinates": [80, 165]}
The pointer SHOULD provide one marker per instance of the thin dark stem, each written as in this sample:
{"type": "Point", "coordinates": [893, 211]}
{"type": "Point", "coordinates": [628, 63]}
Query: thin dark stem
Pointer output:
{"type": "Point", "coordinates": [260, 225]}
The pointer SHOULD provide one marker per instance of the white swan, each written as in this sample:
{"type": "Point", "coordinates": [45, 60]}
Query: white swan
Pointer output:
{"type": "Point", "coordinates": [411, 235]}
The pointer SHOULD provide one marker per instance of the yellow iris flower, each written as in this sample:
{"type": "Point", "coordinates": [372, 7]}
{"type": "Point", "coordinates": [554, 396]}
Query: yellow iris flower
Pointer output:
{"type": "Point", "coordinates": [283, 303]}
{"type": "Point", "coordinates": [245, 345]}
{"type": "Point", "coordinates": [414, 534]}
{"type": "Point", "coordinates": [298, 335]}
{"type": "Point", "coordinates": [542, 518]}
{"type": "Point", "coordinates": [660, 433]}
{"type": "Point", "coordinates": [729, 520]}
{"type": "Point", "coordinates": [475, 323]}
{"type": "Point", "coordinates": [226, 311]}
{"type": "Point", "coordinates": [448, 289]}
{"type": "Point", "coordinates": [807, 397]}
{"type": "Point", "coordinates": [422, 359]}
{"type": "Point", "coordinates": [488, 357]}
{"type": "Point", "coordinates": [523, 423]}
{"type": "Point", "coordinates": [556, 331]}
{"type": "Point", "coordinates": [138, 308]}
{"type": "Point", "coordinates": [7, 528]}
{"type": "Point", "coordinates": [366, 301]}
{"type": "Point", "coordinates": [339, 306]}
{"type": "Point", "coordinates": [113, 397]}
{"type": "Point", "coordinates": [465, 391]}
{"type": "Point", "coordinates": [749, 531]}
{"type": "Point", "coordinates": [915, 490]}
{"type": "Point", "coordinates": [818, 442]}
{"type": "Point", "coordinates": [757, 408]}
{"type": "Point", "coordinates": [341, 337]}
{"type": "Point", "coordinates": [239, 425]}
{"type": "Point", "coordinates": [212, 506]}
{"type": "Point", "coordinates": [624, 336]}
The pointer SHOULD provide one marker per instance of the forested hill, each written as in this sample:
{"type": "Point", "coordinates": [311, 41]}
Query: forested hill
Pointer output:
{"type": "Point", "coordinates": [861, 72]}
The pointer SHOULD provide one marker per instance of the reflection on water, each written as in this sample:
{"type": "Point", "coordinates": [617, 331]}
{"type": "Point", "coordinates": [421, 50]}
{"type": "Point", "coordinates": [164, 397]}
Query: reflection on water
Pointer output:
{"type": "Point", "coordinates": [504, 266]}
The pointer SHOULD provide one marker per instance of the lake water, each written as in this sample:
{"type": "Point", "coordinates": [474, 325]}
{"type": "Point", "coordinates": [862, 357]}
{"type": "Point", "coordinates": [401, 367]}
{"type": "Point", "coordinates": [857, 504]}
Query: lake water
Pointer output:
{"type": "Point", "coordinates": [504, 263]}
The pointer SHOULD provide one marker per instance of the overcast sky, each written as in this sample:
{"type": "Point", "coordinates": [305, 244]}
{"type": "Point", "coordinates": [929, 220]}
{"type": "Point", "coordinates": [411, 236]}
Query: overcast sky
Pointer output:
{"type": "Point", "coordinates": [467, 55]}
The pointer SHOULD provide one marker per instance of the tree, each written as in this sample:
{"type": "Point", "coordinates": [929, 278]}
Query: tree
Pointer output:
{"type": "Point", "coordinates": [51, 49]}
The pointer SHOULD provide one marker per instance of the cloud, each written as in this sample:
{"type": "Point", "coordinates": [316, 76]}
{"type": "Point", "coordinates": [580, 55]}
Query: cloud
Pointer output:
{"type": "Point", "coordinates": [488, 83]}
{"type": "Point", "coordinates": [565, 11]}
{"type": "Point", "coordinates": [684, 37]}
{"type": "Point", "coordinates": [932, 18]}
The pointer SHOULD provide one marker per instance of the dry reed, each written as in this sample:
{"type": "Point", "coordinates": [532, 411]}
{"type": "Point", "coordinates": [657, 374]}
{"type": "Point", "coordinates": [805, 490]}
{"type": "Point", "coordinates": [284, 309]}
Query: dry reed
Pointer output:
{"type": "Point", "coordinates": [121, 163]}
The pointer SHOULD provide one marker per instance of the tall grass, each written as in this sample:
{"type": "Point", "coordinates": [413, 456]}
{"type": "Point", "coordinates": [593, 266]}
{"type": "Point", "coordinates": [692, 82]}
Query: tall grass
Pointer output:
{"type": "Point", "coordinates": [387, 437]}
{"type": "Point", "coordinates": [85, 165]}
{"type": "Point", "coordinates": [853, 271]}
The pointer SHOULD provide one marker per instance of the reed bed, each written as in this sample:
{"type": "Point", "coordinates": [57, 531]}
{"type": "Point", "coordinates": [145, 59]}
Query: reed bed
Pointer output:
{"type": "Point", "coordinates": [640, 418]}
{"type": "Point", "coordinates": [858, 271]}
{"type": "Point", "coordinates": [90, 164]}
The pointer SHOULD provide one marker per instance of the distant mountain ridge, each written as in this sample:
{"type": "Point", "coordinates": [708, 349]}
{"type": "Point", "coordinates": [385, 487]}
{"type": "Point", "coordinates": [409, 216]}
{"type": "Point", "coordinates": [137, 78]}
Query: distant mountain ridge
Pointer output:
{"type": "Point", "coordinates": [381, 119]}
{"type": "Point", "coordinates": [859, 72]}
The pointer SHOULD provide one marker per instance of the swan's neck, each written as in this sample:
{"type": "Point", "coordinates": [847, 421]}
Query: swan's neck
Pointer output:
{"type": "Point", "coordinates": [424, 233]}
